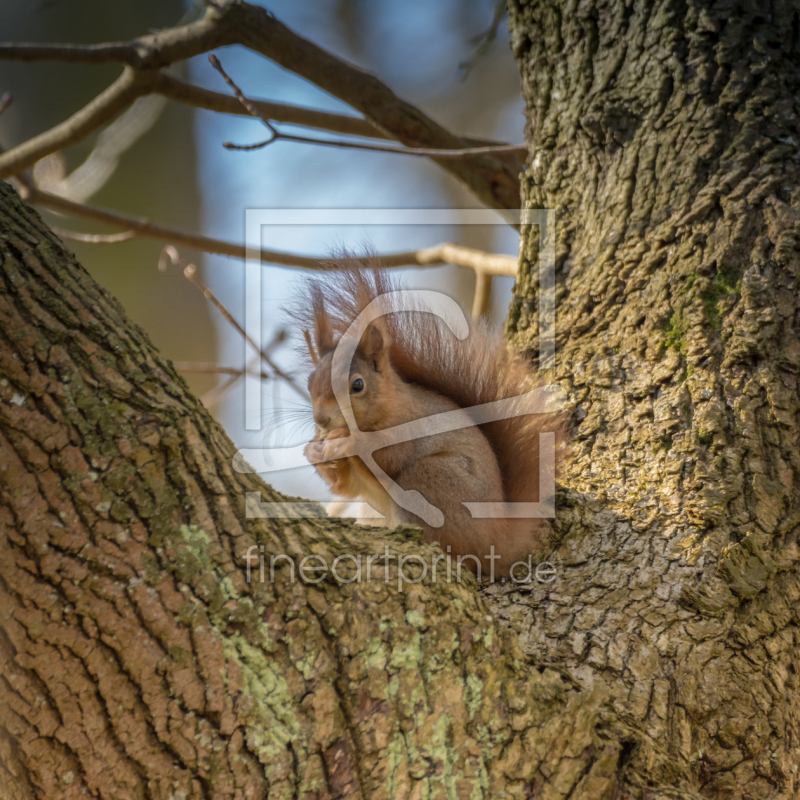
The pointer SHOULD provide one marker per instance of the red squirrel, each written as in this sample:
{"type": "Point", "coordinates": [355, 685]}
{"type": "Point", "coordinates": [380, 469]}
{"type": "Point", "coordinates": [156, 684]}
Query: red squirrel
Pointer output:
{"type": "Point", "coordinates": [408, 365]}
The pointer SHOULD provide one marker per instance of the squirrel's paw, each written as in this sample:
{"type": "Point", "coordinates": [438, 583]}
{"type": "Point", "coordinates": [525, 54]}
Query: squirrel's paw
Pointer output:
{"type": "Point", "coordinates": [326, 452]}
{"type": "Point", "coordinates": [313, 451]}
{"type": "Point", "coordinates": [338, 444]}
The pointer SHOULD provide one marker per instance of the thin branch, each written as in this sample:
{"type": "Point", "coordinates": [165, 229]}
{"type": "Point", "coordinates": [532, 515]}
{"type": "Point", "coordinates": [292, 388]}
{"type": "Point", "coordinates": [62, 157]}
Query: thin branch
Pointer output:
{"type": "Point", "coordinates": [197, 96]}
{"type": "Point", "coordinates": [276, 135]}
{"type": "Point", "coordinates": [93, 238]}
{"type": "Point", "coordinates": [5, 101]}
{"type": "Point", "coordinates": [239, 94]}
{"type": "Point", "coordinates": [210, 368]}
{"type": "Point", "coordinates": [460, 256]}
{"type": "Point", "coordinates": [190, 272]}
{"type": "Point", "coordinates": [490, 263]}
{"type": "Point", "coordinates": [491, 176]}
{"type": "Point", "coordinates": [141, 226]}
{"type": "Point", "coordinates": [517, 149]}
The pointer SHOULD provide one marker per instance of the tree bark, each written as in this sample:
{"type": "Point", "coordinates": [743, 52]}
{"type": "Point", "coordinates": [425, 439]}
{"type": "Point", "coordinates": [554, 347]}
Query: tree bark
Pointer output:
{"type": "Point", "coordinates": [136, 660]}
{"type": "Point", "coordinates": [665, 135]}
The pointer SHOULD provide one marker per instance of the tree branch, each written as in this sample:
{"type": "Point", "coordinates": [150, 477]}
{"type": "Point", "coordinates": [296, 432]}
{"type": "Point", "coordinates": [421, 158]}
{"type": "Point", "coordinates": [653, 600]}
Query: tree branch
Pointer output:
{"type": "Point", "coordinates": [210, 368]}
{"type": "Point", "coordinates": [489, 263]}
{"type": "Point", "coordinates": [216, 28]}
{"type": "Point", "coordinates": [197, 96]}
{"type": "Point", "coordinates": [491, 176]}
{"type": "Point", "coordinates": [142, 226]}
{"type": "Point", "coordinates": [460, 256]}
{"type": "Point", "coordinates": [427, 152]}
{"type": "Point", "coordinates": [127, 88]}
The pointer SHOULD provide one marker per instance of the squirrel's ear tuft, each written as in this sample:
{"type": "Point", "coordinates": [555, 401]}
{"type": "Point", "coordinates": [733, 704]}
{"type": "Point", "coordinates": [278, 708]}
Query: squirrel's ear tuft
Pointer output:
{"type": "Point", "coordinates": [312, 353]}
{"type": "Point", "coordinates": [372, 344]}
{"type": "Point", "coordinates": [323, 334]}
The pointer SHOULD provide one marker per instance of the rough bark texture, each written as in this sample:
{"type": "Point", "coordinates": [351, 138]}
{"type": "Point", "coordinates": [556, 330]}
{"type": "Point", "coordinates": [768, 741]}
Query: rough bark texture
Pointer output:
{"type": "Point", "coordinates": [137, 661]}
{"type": "Point", "coordinates": [666, 136]}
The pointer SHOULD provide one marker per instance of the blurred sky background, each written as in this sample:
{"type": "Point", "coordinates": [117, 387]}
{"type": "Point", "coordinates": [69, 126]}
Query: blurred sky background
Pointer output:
{"type": "Point", "coordinates": [177, 172]}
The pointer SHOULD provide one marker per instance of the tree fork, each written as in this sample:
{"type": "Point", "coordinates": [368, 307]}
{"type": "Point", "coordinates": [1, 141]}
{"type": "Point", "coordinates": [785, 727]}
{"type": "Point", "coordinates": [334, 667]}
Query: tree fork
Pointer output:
{"type": "Point", "coordinates": [137, 661]}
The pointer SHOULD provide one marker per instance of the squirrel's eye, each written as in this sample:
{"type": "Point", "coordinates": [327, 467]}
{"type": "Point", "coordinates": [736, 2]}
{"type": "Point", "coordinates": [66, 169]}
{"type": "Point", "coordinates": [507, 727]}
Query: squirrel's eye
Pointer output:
{"type": "Point", "coordinates": [357, 385]}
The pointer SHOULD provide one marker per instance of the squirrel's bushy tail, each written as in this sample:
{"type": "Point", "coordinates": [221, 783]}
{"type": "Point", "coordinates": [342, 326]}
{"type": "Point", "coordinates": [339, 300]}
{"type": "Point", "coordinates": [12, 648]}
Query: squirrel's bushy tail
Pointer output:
{"type": "Point", "coordinates": [473, 371]}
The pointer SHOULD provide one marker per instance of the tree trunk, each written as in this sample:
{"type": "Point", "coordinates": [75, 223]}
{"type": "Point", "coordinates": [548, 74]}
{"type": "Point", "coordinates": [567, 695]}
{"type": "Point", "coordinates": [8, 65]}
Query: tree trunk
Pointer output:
{"type": "Point", "coordinates": [665, 135]}
{"type": "Point", "coordinates": [136, 660]}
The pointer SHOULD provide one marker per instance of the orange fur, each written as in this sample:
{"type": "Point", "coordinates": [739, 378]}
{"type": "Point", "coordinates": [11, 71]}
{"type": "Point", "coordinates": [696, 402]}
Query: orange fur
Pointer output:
{"type": "Point", "coordinates": [417, 369]}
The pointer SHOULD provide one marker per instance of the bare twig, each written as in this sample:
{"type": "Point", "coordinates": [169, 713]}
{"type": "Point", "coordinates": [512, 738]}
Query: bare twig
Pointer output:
{"type": "Point", "coordinates": [490, 263]}
{"type": "Point", "coordinates": [239, 94]}
{"type": "Point", "coordinates": [190, 272]}
{"type": "Point", "coordinates": [141, 226]}
{"type": "Point", "coordinates": [197, 96]}
{"type": "Point", "coordinates": [518, 149]}
{"type": "Point", "coordinates": [276, 135]}
{"type": "Point", "coordinates": [5, 101]}
{"type": "Point", "coordinates": [478, 260]}
{"type": "Point", "coordinates": [209, 368]}
{"type": "Point", "coordinates": [93, 238]}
